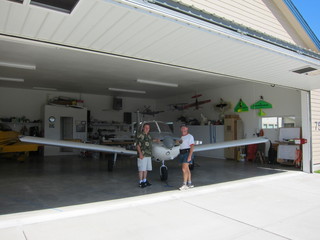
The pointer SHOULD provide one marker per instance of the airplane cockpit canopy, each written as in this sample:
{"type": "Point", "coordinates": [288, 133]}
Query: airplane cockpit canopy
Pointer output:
{"type": "Point", "coordinates": [159, 129]}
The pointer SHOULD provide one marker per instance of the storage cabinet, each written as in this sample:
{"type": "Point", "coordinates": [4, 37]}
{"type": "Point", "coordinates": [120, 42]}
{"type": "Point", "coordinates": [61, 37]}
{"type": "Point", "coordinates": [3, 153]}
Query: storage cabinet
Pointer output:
{"type": "Point", "coordinates": [233, 130]}
{"type": "Point", "coordinates": [209, 134]}
{"type": "Point", "coordinates": [288, 152]}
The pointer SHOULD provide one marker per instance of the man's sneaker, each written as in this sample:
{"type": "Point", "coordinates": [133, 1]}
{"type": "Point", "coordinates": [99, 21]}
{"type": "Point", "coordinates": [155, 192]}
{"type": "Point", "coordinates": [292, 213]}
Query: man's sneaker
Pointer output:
{"type": "Point", "coordinates": [190, 186]}
{"type": "Point", "coordinates": [147, 184]}
{"type": "Point", "coordinates": [184, 187]}
{"type": "Point", "coordinates": [142, 185]}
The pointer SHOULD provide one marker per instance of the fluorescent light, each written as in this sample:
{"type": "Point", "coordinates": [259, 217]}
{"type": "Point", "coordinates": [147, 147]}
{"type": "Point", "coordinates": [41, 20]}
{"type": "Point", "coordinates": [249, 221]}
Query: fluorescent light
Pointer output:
{"type": "Point", "coordinates": [12, 79]}
{"type": "Point", "coordinates": [44, 88]}
{"type": "Point", "coordinates": [126, 90]}
{"type": "Point", "coordinates": [158, 83]}
{"type": "Point", "coordinates": [16, 65]}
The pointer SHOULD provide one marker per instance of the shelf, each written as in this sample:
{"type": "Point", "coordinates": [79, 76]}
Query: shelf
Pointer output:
{"type": "Point", "coordinates": [22, 127]}
{"type": "Point", "coordinates": [286, 143]}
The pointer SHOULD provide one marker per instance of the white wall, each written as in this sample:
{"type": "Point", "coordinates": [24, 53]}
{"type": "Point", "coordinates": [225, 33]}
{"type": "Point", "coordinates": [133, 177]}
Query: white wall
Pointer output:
{"type": "Point", "coordinates": [286, 102]}
{"type": "Point", "coordinates": [30, 103]}
{"type": "Point", "coordinates": [101, 107]}
{"type": "Point", "coordinates": [54, 130]}
{"type": "Point", "coordinates": [20, 102]}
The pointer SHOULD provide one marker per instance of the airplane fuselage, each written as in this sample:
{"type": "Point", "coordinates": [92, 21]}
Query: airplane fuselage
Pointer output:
{"type": "Point", "coordinates": [162, 153]}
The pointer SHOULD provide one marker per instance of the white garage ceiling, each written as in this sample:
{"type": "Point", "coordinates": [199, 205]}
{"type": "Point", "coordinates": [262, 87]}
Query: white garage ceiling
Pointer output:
{"type": "Point", "coordinates": [104, 44]}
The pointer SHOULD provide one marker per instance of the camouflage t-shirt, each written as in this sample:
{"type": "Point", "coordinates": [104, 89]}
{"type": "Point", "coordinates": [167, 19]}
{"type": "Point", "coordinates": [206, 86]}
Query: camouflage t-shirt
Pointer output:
{"type": "Point", "coordinates": [145, 143]}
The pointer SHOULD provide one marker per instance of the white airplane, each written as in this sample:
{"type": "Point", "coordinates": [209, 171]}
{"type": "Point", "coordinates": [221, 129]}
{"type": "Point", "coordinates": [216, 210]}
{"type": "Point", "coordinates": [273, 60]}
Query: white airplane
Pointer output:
{"type": "Point", "coordinates": [166, 149]}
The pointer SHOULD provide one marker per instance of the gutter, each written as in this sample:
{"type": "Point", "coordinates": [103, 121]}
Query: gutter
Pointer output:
{"type": "Point", "coordinates": [230, 25]}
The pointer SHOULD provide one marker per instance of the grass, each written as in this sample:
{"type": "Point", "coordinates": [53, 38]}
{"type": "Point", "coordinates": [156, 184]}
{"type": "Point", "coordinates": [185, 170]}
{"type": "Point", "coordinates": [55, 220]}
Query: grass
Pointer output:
{"type": "Point", "coordinates": [318, 171]}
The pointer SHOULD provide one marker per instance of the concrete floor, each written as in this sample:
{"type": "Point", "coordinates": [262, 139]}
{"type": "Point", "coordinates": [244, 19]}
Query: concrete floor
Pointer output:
{"type": "Point", "coordinates": [54, 182]}
{"type": "Point", "coordinates": [278, 206]}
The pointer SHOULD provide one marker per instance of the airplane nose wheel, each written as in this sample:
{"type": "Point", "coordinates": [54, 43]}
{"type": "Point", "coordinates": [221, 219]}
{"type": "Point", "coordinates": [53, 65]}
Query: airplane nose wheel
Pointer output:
{"type": "Point", "coordinates": [163, 172]}
{"type": "Point", "coordinates": [111, 162]}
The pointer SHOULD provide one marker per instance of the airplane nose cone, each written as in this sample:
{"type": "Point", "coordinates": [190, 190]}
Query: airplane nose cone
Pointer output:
{"type": "Point", "coordinates": [168, 142]}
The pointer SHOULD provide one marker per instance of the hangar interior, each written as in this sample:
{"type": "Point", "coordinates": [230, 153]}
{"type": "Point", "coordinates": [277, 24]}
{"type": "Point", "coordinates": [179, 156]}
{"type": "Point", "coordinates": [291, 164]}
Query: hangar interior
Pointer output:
{"type": "Point", "coordinates": [89, 83]}
{"type": "Point", "coordinates": [55, 177]}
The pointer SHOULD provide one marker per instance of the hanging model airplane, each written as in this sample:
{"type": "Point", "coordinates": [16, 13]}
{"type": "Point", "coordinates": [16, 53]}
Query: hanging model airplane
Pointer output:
{"type": "Point", "coordinates": [241, 106]}
{"type": "Point", "coordinates": [221, 108]}
{"type": "Point", "coordinates": [261, 104]}
{"type": "Point", "coordinates": [197, 103]}
{"type": "Point", "coordinates": [148, 111]}
{"type": "Point", "coordinates": [177, 106]}
{"type": "Point", "coordinates": [167, 149]}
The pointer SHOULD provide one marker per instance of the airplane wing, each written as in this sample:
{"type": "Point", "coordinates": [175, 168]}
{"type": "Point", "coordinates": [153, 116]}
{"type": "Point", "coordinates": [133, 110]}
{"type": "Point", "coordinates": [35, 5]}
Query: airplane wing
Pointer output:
{"type": "Point", "coordinates": [78, 145]}
{"type": "Point", "coordinates": [189, 105]}
{"type": "Point", "coordinates": [226, 144]}
{"type": "Point", "coordinates": [120, 150]}
{"type": "Point", "coordinates": [196, 104]}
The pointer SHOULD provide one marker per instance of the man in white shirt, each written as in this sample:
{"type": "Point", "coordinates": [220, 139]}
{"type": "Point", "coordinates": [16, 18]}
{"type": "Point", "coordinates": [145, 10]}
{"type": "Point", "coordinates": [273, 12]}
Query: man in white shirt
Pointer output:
{"type": "Point", "coordinates": [186, 156]}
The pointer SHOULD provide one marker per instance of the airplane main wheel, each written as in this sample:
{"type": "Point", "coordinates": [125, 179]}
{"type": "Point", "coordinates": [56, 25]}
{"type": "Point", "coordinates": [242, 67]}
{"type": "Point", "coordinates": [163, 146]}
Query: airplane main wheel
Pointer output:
{"type": "Point", "coordinates": [163, 173]}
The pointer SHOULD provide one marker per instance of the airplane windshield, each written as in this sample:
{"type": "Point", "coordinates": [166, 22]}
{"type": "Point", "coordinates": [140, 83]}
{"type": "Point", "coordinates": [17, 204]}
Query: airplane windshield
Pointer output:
{"type": "Point", "coordinates": [164, 127]}
{"type": "Point", "coordinates": [153, 127]}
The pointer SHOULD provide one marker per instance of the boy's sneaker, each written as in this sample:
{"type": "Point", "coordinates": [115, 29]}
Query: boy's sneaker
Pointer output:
{"type": "Point", "coordinates": [142, 185]}
{"type": "Point", "coordinates": [184, 187]}
{"type": "Point", "coordinates": [147, 184]}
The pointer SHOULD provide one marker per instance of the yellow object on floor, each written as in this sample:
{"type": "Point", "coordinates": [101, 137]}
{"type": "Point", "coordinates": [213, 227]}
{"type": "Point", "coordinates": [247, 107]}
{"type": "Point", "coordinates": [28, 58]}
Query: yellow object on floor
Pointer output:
{"type": "Point", "coordinates": [9, 143]}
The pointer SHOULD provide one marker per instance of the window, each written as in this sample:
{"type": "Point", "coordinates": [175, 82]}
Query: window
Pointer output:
{"type": "Point", "coordinates": [277, 122]}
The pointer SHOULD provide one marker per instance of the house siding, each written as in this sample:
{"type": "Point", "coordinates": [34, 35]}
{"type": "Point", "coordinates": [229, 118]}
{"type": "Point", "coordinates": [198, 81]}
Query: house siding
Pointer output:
{"type": "Point", "coordinates": [260, 15]}
{"type": "Point", "coordinates": [315, 125]}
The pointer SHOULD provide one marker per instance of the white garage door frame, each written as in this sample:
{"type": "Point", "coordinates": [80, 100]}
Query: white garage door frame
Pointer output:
{"type": "Point", "coordinates": [306, 132]}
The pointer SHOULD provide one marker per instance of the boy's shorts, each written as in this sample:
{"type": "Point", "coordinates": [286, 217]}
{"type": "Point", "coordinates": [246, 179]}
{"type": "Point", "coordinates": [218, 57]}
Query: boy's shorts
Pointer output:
{"type": "Point", "coordinates": [144, 164]}
{"type": "Point", "coordinates": [183, 158]}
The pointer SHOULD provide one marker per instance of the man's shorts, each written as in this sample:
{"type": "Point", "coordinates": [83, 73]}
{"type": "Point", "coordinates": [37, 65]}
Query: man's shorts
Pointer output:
{"type": "Point", "coordinates": [144, 164]}
{"type": "Point", "coordinates": [183, 158]}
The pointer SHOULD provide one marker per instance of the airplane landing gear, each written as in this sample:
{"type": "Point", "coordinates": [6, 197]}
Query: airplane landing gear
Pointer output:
{"type": "Point", "coordinates": [163, 172]}
{"type": "Point", "coordinates": [112, 162]}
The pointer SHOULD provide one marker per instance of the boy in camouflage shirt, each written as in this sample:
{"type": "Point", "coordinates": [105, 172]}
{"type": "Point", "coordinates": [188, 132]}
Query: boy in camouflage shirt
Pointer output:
{"type": "Point", "coordinates": [144, 150]}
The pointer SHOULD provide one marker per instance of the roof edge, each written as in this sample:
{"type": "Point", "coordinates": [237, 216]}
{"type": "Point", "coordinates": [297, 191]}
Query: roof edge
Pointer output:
{"type": "Point", "coordinates": [231, 25]}
{"type": "Point", "coordinates": [303, 22]}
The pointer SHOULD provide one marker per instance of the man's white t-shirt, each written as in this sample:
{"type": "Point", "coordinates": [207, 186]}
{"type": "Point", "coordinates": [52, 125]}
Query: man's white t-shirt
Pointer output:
{"type": "Point", "coordinates": [187, 141]}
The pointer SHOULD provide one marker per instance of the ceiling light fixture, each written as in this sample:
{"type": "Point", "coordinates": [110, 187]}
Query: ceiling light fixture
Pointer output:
{"type": "Point", "coordinates": [158, 83]}
{"type": "Point", "coordinates": [126, 90]}
{"type": "Point", "coordinates": [12, 79]}
{"type": "Point", "coordinates": [44, 88]}
{"type": "Point", "coordinates": [16, 65]}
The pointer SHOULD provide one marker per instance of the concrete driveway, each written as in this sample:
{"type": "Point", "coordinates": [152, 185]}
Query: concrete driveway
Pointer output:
{"type": "Point", "coordinates": [281, 206]}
